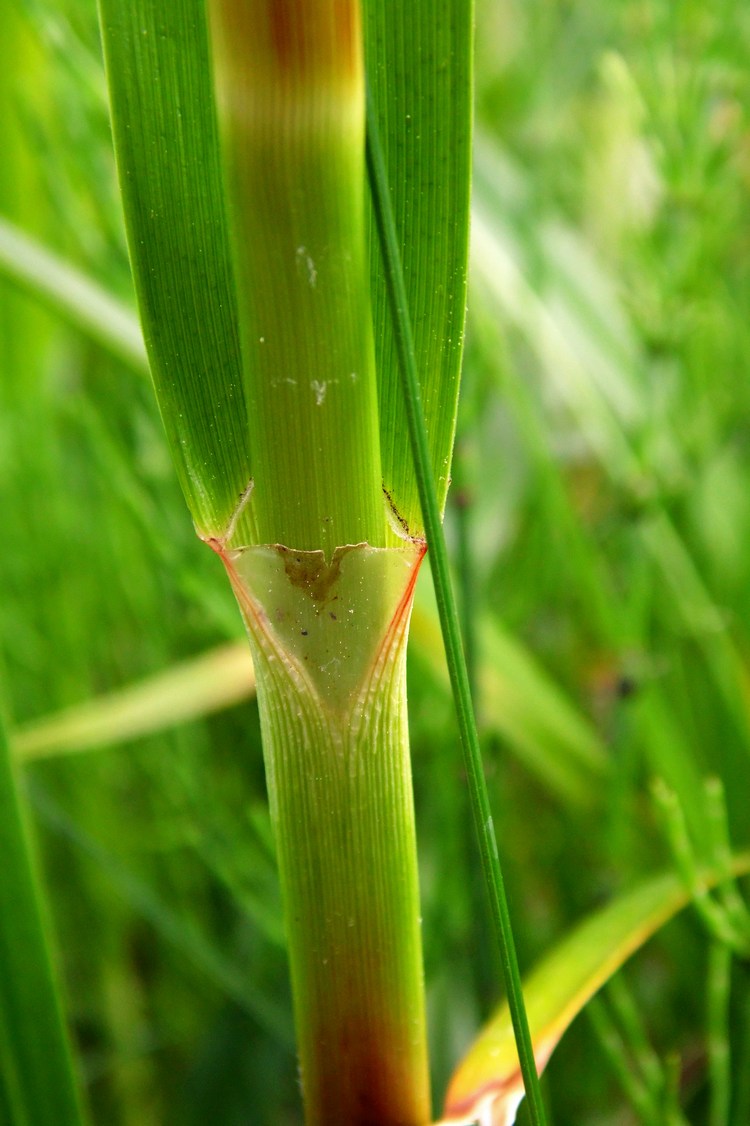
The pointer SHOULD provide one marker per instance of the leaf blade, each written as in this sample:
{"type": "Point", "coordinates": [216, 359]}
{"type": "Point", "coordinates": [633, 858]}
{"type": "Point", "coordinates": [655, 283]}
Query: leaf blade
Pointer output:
{"type": "Point", "coordinates": [37, 1079]}
{"type": "Point", "coordinates": [159, 77]}
{"type": "Point", "coordinates": [71, 294]}
{"type": "Point", "coordinates": [192, 689]}
{"type": "Point", "coordinates": [419, 64]}
{"type": "Point", "coordinates": [556, 991]}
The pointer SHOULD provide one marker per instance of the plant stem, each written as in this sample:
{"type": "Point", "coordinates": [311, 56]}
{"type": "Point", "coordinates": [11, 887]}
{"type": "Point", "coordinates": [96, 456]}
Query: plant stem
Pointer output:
{"type": "Point", "coordinates": [291, 88]}
{"type": "Point", "coordinates": [329, 642]}
{"type": "Point", "coordinates": [719, 1059]}
{"type": "Point", "coordinates": [634, 1085]}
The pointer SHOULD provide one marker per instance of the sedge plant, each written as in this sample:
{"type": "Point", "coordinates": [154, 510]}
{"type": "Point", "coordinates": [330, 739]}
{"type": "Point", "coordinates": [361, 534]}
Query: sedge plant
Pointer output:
{"type": "Point", "coordinates": [277, 349]}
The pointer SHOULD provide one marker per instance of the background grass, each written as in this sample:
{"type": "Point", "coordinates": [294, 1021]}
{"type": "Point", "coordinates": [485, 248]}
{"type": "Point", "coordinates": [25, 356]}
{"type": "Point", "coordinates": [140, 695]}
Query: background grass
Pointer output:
{"type": "Point", "coordinates": [600, 517]}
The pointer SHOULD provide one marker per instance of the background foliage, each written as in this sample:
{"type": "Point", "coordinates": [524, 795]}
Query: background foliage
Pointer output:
{"type": "Point", "coordinates": [600, 517]}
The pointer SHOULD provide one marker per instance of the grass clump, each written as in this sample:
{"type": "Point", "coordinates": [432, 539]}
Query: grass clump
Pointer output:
{"type": "Point", "coordinates": [602, 461]}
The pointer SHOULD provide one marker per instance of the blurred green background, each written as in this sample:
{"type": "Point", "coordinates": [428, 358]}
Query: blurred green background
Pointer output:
{"type": "Point", "coordinates": [600, 523]}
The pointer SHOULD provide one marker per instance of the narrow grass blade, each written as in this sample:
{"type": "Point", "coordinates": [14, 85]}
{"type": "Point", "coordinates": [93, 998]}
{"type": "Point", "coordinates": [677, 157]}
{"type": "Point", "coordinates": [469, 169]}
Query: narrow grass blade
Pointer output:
{"type": "Point", "coordinates": [555, 738]}
{"type": "Point", "coordinates": [548, 286]}
{"type": "Point", "coordinates": [69, 292]}
{"type": "Point", "coordinates": [448, 612]}
{"type": "Point", "coordinates": [718, 1025]}
{"type": "Point", "coordinates": [556, 991]}
{"type": "Point", "coordinates": [181, 934]}
{"type": "Point", "coordinates": [614, 1046]}
{"type": "Point", "coordinates": [569, 313]}
{"type": "Point", "coordinates": [517, 700]}
{"type": "Point", "coordinates": [37, 1080]}
{"type": "Point", "coordinates": [166, 144]}
{"type": "Point", "coordinates": [195, 688]}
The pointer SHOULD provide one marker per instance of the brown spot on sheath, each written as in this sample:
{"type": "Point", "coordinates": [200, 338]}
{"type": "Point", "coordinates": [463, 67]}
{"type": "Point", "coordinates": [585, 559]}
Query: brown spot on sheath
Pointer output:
{"type": "Point", "coordinates": [396, 514]}
{"type": "Point", "coordinates": [311, 571]}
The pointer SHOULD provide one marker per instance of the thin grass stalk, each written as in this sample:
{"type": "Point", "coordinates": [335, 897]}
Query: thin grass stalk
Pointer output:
{"type": "Point", "coordinates": [740, 1108]}
{"type": "Point", "coordinates": [449, 620]}
{"type": "Point", "coordinates": [625, 1009]}
{"type": "Point", "coordinates": [615, 1049]}
{"type": "Point", "coordinates": [67, 291]}
{"type": "Point", "coordinates": [719, 1054]}
{"type": "Point", "coordinates": [38, 1084]}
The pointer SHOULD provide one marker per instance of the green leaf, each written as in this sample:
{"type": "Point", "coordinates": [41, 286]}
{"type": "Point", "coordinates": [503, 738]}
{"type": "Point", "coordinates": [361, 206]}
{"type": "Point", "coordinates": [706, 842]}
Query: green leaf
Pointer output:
{"type": "Point", "coordinates": [167, 152]}
{"type": "Point", "coordinates": [70, 293]}
{"type": "Point", "coordinates": [557, 990]}
{"type": "Point", "coordinates": [419, 70]}
{"type": "Point", "coordinates": [520, 702]}
{"type": "Point", "coordinates": [37, 1080]}
{"type": "Point", "coordinates": [216, 679]}
{"type": "Point", "coordinates": [550, 735]}
{"type": "Point", "coordinates": [174, 928]}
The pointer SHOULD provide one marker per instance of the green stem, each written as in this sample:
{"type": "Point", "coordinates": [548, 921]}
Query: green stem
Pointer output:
{"type": "Point", "coordinates": [449, 616]}
{"type": "Point", "coordinates": [38, 1084]}
{"type": "Point", "coordinates": [634, 1085]}
{"type": "Point", "coordinates": [329, 641]}
{"type": "Point", "coordinates": [644, 1057]}
{"type": "Point", "coordinates": [740, 1108]}
{"type": "Point", "coordinates": [291, 89]}
{"type": "Point", "coordinates": [719, 1060]}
